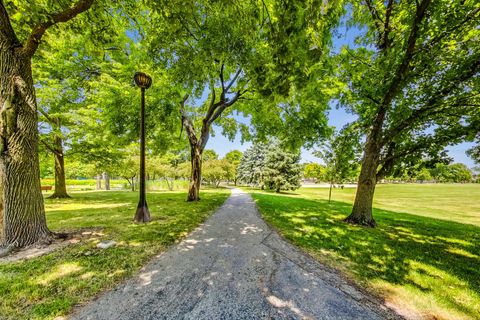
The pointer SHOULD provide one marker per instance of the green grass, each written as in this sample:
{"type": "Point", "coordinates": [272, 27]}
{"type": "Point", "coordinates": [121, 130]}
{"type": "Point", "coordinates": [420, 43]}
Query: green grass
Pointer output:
{"type": "Point", "coordinates": [115, 184]}
{"type": "Point", "coordinates": [48, 286]}
{"type": "Point", "coordinates": [453, 202]}
{"type": "Point", "coordinates": [423, 259]}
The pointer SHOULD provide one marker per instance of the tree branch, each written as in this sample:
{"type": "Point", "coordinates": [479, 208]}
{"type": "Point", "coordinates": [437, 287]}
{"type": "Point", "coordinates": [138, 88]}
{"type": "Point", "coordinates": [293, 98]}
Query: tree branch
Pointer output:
{"type": "Point", "coordinates": [376, 18]}
{"type": "Point", "coordinates": [49, 119]}
{"type": "Point", "coordinates": [469, 17]}
{"type": "Point", "coordinates": [222, 95]}
{"type": "Point", "coordinates": [233, 80]}
{"type": "Point", "coordinates": [235, 98]}
{"type": "Point", "coordinates": [182, 19]}
{"type": "Point", "coordinates": [38, 31]}
{"type": "Point", "coordinates": [187, 123]}
{"type": "Point", "coordinates": [409, 50]}
{"type": "Point", "coordinates": [8, 37]}
{"type": "Point", "coordinates": [434, 102]}
{"type": "Point", "coordinates": [50, 148]}
{"type": "Point", "coordinates": [212, 106]}
{"type": "Point", "coordinates": [386, 29]}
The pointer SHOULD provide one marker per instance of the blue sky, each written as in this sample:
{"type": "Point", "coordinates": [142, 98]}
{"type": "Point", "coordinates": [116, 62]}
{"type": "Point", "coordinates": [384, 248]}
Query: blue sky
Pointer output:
{"type": "Point", "coordinates": [337, 117]}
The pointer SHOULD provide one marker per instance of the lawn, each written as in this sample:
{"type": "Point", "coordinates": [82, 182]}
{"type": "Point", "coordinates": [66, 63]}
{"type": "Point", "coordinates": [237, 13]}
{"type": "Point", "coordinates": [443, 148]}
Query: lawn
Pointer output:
{"type": "Point", "coordinates": [48, 286]}
{"type": "Point", "coordinates": [117, 184]}
{"type": "Point", "coordinates": [423, 259]}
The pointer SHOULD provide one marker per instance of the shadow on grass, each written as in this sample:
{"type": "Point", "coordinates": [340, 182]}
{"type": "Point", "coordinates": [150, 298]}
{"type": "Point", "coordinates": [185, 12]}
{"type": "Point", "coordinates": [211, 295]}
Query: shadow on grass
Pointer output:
{"type": "Point", "coordinates": [432, 256]}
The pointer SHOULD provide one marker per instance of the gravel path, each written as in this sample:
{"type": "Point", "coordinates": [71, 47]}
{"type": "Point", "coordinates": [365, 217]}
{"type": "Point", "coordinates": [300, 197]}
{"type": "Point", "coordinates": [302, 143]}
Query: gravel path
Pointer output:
{"type": "Point", "coordinates": [234, 267]}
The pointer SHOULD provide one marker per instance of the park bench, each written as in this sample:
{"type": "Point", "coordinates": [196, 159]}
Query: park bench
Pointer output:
{"type": "Point", "coordinates": [46, 188]}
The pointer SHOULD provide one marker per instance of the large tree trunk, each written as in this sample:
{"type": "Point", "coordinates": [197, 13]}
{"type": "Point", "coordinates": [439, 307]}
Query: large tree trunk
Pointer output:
{"type": "Point", "coordinates": [2, 231]}
{"type": "Point", "coordinates": [362, 208]}
{"type": "Point", "coordinates": [196, 177]}
{"type": "Point", "coordinates": [99, 182]}
{"type": "Point", "coordinates": [60, 184]}
{"type": "Point", "coordinates": [107, 180]}
{"type": "Point", "coordinates": [23, 210]}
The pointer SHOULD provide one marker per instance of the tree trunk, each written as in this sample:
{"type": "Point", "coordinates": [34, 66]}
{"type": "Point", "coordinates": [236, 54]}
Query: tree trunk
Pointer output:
{"type": "Point", "coordinates": [60, 184]}
{"type": "Point", "coordinates": [362, 208]}
{"type": "Point", "coordinates": [24, 221]}
{"type": "Point", "coordinates": [99, 182]}
{"type": "Point", "coordinates": [169, 184]}
{"type": "Point", "coordinates": [131, 182]}
{"type": "Point", "coordinates": [106, 177]}
{"type": "Point", "coordinates": [196, 177]}
{"type": "Point", "coordinates": [330, 192]}
{"type": "Point", "coordinates": [2, 231]}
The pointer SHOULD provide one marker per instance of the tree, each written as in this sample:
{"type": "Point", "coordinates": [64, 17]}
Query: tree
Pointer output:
{"type": "Point", "coordinates": [460, 173]}
{"type": "Point", "coordinates": [128, 168]}
{"type": "Point", "coordinates": [215, 171]}
{"type": "Point", "coordinates": [216, 53]}
{"type": "Point", "coordinates": [168, 173]}
{"type": "Point", "coordinates": [424, 175]}
{"type": "Point", "coordinates": [314, 171]}
{"type": "Point", "coordinates": [56, 148]}
{"type": "Point", "coordinates": [474, 153]}
{"type": "Point", "coordinates": [341, 156]}
{"type": "Point", "coordinates": [209, 155]}
{"type": "Point", "coordinates": [270, 166]}
{"type": "Point", "coordinates": [62, 73]}
{"type": "Point", "coordinates": [250, 169]}
{"type": "Point", "coordinates": [24, 219]}
{"type": "Point", "coordinates": [234, 158]}
{"type": "Point", "coordinates": [204, 46]}
{"type": "Point", "coordinates": [412, 78]}
{"type": "Point", "coordinates": [456, 172]}
{"type": "Point", "coordinates": [282, 169]}
{"type": "Point", "coordinates": [198, 143]}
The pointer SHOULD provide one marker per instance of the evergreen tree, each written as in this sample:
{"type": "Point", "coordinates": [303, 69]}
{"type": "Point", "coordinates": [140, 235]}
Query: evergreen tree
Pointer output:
{"type": "Point", "coordinates": [250, 169]}
{"type": "Point", "coordinates": [269, 166]}
{"type": "Point", "coordinates": [282, 169]}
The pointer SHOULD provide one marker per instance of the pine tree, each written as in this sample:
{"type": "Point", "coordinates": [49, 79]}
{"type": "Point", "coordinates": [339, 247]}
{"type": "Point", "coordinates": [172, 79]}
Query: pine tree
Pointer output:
{"type": "Point", "coordinates": [269, 166]}
{"type": "Point", "coordinates": [282, 169]}
{"type": "Point", "coordinates": [250, 169]}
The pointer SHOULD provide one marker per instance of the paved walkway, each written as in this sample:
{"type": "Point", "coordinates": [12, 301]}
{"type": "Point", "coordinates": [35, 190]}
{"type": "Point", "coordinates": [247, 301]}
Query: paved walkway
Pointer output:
{"type": "Point", "coordinates": [233, 267]}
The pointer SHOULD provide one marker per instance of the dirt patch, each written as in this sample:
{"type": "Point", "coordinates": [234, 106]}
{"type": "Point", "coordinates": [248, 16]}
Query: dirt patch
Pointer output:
{"type": "Point", "coordinates": [37, 250]}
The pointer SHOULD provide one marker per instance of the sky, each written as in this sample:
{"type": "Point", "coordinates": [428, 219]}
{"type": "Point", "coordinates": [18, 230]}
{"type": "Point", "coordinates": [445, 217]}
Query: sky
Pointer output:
{"type": "Point", "coordinates": [336, 117]}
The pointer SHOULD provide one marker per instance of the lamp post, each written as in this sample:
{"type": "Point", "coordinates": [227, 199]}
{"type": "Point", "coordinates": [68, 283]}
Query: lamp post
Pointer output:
{"type": "Point", "coordinates": [144, 82]}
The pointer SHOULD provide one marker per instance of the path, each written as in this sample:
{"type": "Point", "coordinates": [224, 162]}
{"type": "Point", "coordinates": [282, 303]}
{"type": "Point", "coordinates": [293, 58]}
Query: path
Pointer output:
{"type": "Point", "coordinates": [233, 267]}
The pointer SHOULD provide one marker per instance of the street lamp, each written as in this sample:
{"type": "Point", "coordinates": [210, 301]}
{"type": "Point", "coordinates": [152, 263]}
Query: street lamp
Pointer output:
{"type": "Point", "coordinates": [142, 215]}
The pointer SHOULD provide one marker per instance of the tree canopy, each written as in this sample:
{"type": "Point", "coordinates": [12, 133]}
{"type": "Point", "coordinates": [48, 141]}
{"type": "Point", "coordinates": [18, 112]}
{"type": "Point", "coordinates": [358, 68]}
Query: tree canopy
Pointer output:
{"type": "Point", "coordinates": [410, 77]}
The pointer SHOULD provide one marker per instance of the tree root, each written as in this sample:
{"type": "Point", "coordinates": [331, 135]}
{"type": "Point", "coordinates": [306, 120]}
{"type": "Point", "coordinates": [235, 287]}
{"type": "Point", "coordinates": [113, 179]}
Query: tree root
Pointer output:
{"type": "Point", "coordinates": [362, 222]}
{"type": "Point", "coordinates": [59, 196]}
{"type": "Point", "coordinates": [45, 241]}
{"type": "Point", "coordinates": [6, 250]}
